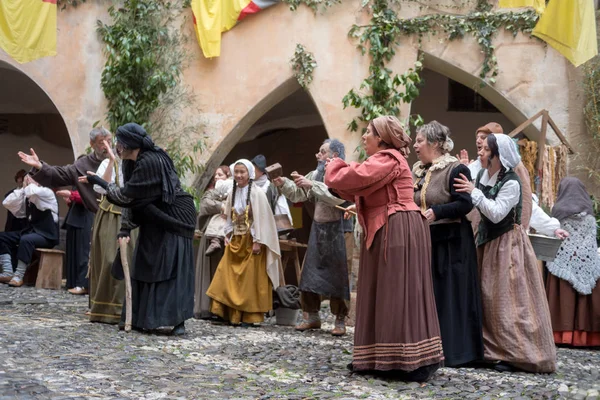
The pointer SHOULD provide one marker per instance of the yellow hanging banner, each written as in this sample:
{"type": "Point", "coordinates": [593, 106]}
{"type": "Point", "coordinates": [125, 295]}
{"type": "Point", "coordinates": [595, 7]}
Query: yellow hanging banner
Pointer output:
{"type": "Point", "coordinates": [212, 17]}
{"type": "Point", "coordinates": [538, 5]}
{"type": "Point", "coordinates": [28, 29]}
{"type": "Point", "coordinates": [570, 27]}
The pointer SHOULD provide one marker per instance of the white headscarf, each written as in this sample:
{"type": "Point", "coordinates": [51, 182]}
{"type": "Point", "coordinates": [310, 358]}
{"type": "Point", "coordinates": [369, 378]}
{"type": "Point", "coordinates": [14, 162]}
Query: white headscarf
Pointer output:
{"type": "Point", "coordinates": [509, 155]}
{"type": "Point", "coordinates": [247, 164]}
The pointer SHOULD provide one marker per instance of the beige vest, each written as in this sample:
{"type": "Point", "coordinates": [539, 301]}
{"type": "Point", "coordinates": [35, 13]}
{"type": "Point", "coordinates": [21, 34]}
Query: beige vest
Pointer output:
{"type": "Point", "coordinates": [435, 189]}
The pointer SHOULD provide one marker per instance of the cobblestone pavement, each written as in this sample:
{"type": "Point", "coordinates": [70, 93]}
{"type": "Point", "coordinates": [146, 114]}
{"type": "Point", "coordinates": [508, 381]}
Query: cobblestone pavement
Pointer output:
{"type": "Point", "coordinates": [48, 350]}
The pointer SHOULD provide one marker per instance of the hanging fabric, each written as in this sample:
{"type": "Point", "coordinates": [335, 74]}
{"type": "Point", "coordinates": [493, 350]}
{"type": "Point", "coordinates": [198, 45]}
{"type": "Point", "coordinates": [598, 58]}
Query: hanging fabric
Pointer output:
{"type": "Point", "coordinates": [538, 5]}
{"type": "Point", "coordinates": [570, 27]}
{"type": "Point", "coordinates": [28, 29]}
{"type": "Point", "coordinates": [213, 17]}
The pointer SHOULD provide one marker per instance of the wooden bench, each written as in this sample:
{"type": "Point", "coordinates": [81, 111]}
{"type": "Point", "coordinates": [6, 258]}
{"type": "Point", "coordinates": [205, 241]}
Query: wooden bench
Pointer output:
{"type": "Point", "coordinates": [46, 272]}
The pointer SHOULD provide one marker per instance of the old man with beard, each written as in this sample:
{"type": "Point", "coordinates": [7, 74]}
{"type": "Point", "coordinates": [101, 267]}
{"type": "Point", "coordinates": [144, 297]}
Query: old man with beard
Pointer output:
{"type": "Point", "coordinates": [55, 176]}
{"type": "Point", "coordinates": [326, 269]}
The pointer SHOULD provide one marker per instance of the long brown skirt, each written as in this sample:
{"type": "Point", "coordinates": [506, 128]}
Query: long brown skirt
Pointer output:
{"type": "Point", "coordinates": [575, 317]}
{"type": "Point", "coordinates": [397, 325]}
{"type": "Point", "coordinates": [516, 317]}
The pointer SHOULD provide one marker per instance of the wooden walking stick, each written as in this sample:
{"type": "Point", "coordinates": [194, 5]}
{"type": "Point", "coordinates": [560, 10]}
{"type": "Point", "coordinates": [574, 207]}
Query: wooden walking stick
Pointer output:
{"type": "Point", "coordinates": [123, 246]}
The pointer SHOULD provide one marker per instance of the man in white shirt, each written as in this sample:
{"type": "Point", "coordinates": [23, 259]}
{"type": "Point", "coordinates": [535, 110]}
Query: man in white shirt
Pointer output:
{"type": "Point", "coordinates": [38, 204]}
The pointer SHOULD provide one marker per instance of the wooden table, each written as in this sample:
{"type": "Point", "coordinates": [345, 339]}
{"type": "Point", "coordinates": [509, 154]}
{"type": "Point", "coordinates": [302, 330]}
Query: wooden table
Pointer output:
{"type": "Point", "coordinates": [289, 249]}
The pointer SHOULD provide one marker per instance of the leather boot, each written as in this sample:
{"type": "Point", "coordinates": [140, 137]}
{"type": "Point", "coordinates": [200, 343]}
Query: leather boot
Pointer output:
{"type": "Point", "coordinates": [313, 322]}
{"type": "Point", "coordinates": [339, 328]}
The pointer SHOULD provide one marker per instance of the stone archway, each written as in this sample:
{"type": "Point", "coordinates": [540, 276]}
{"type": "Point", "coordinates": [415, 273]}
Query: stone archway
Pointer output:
{"type": "Point", "coordinates": [277, 116]}
{"type": "Point", "coordinates": [28, 119]}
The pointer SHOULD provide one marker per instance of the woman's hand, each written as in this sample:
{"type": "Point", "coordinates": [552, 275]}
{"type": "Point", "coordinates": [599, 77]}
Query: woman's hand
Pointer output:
{"type": "Point", "coordinates": [561, 234]}
{"type": "Point", "coordinates": [65, 194]}
{"type": "Point", "coordinates": [463, 157]}
{"type": "Point", "coordinates": [429, 215]}
{"type": "Point", "coordinates": [255, 248]}
{"type": "Point", "coordinates": [123, 239]}
{"type": "Point", "coordinates": [349, 210]}
{"type": "Point", "coordinates": [227, 239]}
{"type": "Point", "coordinates": [84, 179]}
{"type": "Point", "coordinates": [463, 185]}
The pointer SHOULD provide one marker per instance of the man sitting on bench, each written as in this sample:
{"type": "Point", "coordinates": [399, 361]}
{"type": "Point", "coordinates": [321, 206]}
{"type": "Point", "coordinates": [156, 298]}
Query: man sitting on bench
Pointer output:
{"type": "Point", "coordinates": [38, 204]}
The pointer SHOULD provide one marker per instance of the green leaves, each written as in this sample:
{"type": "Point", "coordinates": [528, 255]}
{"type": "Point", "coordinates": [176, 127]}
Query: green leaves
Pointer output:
{"type": "Point", "coordinates": [313, 4]}
{"type": "Point", "coordinates": [141, 77]}
{"type": "Point", "coordinates": [481, 24]}
{"type": "Point", "coordinates": [383, 91]}
{"type": "Point", "coordinates": [303, 64]}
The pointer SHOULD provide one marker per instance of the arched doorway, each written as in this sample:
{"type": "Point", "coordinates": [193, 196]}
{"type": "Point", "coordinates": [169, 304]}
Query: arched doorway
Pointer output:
{"type": "Point", "coordinates": [28, 119]}
{"type": "Point", "coordinates": [290, 133]}
{"type": "Point", "coordinates": [459, 107]}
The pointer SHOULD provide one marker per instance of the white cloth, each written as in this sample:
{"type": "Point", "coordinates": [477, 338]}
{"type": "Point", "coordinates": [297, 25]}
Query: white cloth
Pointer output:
{"type": "Point", "coordinates": [41, 197]}
{"type": "Point", "coordinates": [509, 153]}
{"type": "Point", "coordinates": [15, 203]}
{"type": "Point", "coordinates": [100, 172]}
{"type": "Point", "coordinates": [281, 206]}
{"type": "Point", "coordinates": [247, 164]}
{"type": "Point", "coordinates": [508, 197]}
{"type": "Point", "coordinates": [223, 187]}
{"type": "Point", "coordinates": [264, 230]}
{"type": "Point", "coordinates": [542, 222]}
{"type": "Point", "coordinates": [474, 168]}
{"type": "Point", "coordinates": [241, 195]}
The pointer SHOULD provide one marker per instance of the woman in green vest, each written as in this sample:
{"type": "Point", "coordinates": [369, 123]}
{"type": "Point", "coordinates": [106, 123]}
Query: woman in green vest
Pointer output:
{"type": "Point", "coordinates": [517, 332]}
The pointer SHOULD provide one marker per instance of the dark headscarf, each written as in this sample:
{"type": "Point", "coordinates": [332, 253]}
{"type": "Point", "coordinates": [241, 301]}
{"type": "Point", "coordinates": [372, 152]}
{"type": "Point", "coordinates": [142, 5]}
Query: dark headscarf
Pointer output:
{"type": "Point", "coordinates": [133, 136]}
{"type": "Point", "coordinates": [572, 199]}
{"type": "Point", "coordinates": [390, 131]}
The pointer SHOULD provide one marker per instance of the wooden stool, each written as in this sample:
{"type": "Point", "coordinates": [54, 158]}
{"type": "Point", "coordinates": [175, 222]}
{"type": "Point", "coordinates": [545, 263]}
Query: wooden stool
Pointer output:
{"type": "Point", "coordinates": [47, 272]}
{"type": "Point", "coordinates": [289, 248]}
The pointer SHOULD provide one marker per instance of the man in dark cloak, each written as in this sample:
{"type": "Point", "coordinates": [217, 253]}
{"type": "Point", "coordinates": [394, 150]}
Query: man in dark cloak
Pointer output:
{"type": "Point", "coordinates": [80, 216]}
{"type": "Point", "coordinates": [56, 177]}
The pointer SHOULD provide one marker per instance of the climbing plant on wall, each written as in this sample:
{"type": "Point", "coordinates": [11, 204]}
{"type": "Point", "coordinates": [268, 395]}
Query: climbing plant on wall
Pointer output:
{"type": "Point", "coordinates": [303, 64]}
{"type": "Point", "coordinates": [142, 76]}
{"type": "Point", "coordinates": [313, 4]}
{"type": "Point", "coordinates": [383, 91]}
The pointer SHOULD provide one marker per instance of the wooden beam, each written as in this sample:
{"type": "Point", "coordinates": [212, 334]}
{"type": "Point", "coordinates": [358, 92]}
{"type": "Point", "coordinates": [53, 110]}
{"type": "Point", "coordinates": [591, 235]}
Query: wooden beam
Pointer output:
{"type": "Point", "coordinates": [542, 144]}
{"type": "Point", "coordinates": [524, 125]}
{"type": "Point", "coordinates": [560, 135]}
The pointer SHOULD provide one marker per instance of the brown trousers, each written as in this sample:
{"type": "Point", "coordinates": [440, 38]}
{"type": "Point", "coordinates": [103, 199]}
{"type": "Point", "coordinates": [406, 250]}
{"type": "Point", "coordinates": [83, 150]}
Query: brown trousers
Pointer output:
{"type": "Point", "coordinates": [311, 302]}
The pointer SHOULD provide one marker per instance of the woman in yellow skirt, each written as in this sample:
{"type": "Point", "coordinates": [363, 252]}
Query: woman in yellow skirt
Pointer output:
{"type": "Point", "coordinates": [242, 288]}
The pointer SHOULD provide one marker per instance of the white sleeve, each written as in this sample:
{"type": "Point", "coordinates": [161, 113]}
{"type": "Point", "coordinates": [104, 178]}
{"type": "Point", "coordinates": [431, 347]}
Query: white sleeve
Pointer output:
{"type": "Point", "coordinates": [496, 210]}
{"type": "Point", "coordinates": [474, 168]}
{"type": "Point", "coordinates": [43, 198]}
{"type": "Point", "coordinates": [100, 172]}
{"type": "Point", "coordinates": [542, 222]}
{"type": "Point", "coordinates": [15, 203]}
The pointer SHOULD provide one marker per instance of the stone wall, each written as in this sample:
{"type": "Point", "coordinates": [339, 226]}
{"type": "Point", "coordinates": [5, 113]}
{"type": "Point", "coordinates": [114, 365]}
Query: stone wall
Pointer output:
{"type": "Point", "coordinates": [253, 73]}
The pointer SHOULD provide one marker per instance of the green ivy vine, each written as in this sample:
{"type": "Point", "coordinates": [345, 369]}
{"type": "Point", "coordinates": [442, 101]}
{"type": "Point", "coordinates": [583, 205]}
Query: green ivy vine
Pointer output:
{"type": "Point", "coordinates": [483, 26]}
{"type": "Point", "coordinates": [383, 91]}
{"type": "Point", "coordinates": [313, 4]}
{"type": "Point", "coordinates": [141, 79]}
{"type": "Point", "coordinates": [303, 64]}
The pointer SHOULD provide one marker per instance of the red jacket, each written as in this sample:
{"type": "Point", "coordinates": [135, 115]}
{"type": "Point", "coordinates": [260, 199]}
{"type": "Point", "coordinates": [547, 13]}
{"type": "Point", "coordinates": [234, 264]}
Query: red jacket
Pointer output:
{"type": "Point", "coordinates": [380, 187]}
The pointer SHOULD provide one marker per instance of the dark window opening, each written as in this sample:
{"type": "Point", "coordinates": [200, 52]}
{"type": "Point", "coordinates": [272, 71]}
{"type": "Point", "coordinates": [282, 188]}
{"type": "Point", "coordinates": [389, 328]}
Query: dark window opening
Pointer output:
{"type": "Point", "coordinates": [464, 99]}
